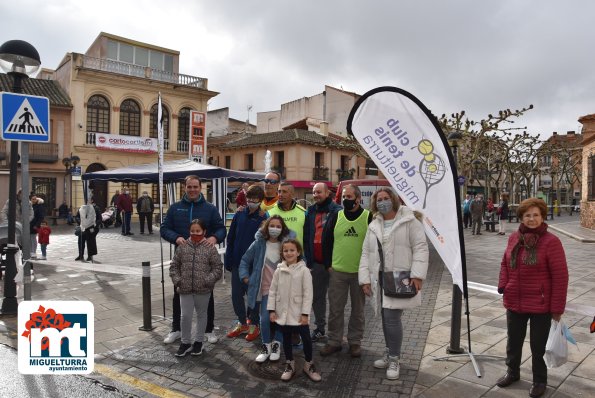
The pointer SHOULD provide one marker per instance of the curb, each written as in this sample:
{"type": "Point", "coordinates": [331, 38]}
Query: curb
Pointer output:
{"type": "Point", "coordinates": [571, 235]}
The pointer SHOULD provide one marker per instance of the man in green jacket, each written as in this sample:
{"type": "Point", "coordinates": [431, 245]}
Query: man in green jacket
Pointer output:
{"type": "Point", "coordinates": [293, 214]}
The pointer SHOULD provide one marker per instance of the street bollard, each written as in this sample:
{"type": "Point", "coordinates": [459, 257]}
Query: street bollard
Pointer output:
{"type": "Point", "coordinates": [27, 280]}
{"type": "Point", "coordinates": [147, 326]}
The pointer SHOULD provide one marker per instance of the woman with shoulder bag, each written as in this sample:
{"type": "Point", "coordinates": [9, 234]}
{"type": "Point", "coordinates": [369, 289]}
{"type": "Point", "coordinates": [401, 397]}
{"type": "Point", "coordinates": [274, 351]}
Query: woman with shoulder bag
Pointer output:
{"type": "Point", "coordinates": [395, 247]}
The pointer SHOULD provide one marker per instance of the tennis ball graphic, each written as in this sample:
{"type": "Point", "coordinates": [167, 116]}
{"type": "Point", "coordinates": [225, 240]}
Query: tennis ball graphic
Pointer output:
{"type": "Point", "coordinates": [432, 168]}
{"type": "Point", "coordinates": [425, 147]}
{"type": "Point", "coordinates": [430, 157]}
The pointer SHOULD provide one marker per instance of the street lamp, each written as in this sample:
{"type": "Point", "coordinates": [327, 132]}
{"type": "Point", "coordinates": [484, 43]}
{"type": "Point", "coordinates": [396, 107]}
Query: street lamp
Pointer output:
{"type": "Point", "coordinates": [454, 346]}
{"type": "Point", "coordinates": [535, 171]}
{"type": "Point", "coordinates": [70, 163]}
{"type": "Point", "coordinates": [552, 189]}
{"type": "Point", "coordinates": [18, 59]}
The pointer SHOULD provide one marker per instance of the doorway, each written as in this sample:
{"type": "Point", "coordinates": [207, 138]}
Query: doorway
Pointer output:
{"type": "Point", "coordinates": [98, 188]}
{"type": "Point", "coordinates": [45, 188]}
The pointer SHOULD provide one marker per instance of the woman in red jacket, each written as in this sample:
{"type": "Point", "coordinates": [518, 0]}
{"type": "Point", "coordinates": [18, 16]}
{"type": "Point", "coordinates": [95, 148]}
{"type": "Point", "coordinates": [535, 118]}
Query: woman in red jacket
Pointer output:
{"type": "Point", "coordinates": [534, 281]}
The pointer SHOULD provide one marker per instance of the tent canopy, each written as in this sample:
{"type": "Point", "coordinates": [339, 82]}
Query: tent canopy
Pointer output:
{"type": "Point", "coordinates": [173, 171]}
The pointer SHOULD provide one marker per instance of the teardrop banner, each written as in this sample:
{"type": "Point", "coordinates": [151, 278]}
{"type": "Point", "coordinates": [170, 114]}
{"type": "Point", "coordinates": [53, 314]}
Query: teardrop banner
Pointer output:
{"type": "Point", "coordinates": [405, 141]}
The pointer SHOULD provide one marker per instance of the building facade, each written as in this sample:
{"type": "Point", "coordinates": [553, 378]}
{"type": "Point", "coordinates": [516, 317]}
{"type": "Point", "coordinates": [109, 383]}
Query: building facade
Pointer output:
{"type": "Point", "coordinates": [113, 89]}
{"type": "Point", "coordinates": [219, 124]}
{"type": "Point", "coordinates": [588, 172]}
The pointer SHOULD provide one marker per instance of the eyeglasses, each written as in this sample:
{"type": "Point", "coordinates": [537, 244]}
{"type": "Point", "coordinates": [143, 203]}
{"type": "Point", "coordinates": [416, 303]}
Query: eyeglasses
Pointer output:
{"type": "Point", "coordinates": [269, 181]}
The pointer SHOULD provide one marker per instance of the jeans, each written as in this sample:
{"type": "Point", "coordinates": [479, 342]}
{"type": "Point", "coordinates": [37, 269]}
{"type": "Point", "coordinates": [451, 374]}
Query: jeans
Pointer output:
{"type": "Point", "coordinates": [304, 331]}
{"type": "Point", "coordinates": [466, 219]}
{"type": "Point", "coordinates": [238, 291]}
{"type": "Point", "coordinates": [191, 303]}
{"type": "Point", "coordinates": [267, 328]}
{"type": "Point", "coordinates": [392, 327]}
{"type": "Point", "coordinates": [148, 217]}
{"type": "Point", "coordinates": [517, 330]}
{"type": "Point", "coordinates": [177, 313]}
{"type": "Point", "coordinates": [126, 223]}
{"type": "Point", "coordinates": [320, 281]}
{"type": "Point", "coordinates": [44, 249]}
{"type": "Point", "coordinates": [342, 284]}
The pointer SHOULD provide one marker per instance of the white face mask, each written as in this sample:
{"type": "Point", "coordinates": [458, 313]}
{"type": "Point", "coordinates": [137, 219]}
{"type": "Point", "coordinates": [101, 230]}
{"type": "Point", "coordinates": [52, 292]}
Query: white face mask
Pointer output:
{"type": "Point", "coordinates": [384, 206]}
{"type": "Point", "coordinates": [274, 232]}
{"type": "Point", "coordinates": [253, 206]}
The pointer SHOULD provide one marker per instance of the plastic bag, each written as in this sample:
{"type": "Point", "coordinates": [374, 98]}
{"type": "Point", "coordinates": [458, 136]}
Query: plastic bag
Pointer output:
{"type": "Point", "coordinates": [556, 348]}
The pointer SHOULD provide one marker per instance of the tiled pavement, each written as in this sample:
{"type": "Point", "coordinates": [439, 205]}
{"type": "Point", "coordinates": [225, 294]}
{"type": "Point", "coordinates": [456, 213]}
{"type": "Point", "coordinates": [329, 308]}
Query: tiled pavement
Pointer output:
{"type": "Point", "coordinates": [139, 360]}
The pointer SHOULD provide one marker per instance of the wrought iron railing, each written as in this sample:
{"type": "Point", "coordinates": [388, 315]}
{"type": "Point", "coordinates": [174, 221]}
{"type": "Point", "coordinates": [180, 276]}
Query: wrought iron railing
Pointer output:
{"type": "Point", "coordinates": [182, 146]}
{"type": "Point", "coordinates": [320, 174]}
{"type": "Point", "coordinates": [40, 152]}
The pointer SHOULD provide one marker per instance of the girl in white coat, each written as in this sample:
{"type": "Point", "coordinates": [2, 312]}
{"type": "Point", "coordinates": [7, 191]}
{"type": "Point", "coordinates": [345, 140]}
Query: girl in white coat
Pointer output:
{"type": "Point", "coordinates": [290, 303]}
{"type": "Point", "coordinates": [404, 248]}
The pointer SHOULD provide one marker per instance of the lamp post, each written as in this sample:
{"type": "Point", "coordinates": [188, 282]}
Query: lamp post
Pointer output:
{"type": "Point", "coordinates": [70, 163]}
{"type": "Point", "coordinates": [552, 188]}
{"type": "Point", "coordinates": [454, 346]}
{"type": "Point", "coordinates": [18, 59]}
{"type": "Point", "coordinates": [535, 171]}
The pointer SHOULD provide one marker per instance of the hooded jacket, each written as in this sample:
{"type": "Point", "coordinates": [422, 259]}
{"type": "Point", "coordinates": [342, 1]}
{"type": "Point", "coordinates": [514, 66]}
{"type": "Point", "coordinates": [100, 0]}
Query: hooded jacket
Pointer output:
{"type": "Point", "coordinates": [407, 250]}
{"type": "Point", "coordinates": [179, 216]}
{"type": "Point", "coordinates": [539, 288]}
{"type": "Point", "coordinates": [241, 234]}
{"type": "Point", "coordinates": [38, 215]}
{"type": "Point", "coordinates": [290, 295]}
{"type": "Point", "coordinates": [196, 267]}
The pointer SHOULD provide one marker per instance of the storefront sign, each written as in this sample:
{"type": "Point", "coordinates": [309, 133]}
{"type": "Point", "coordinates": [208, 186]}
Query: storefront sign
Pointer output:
{"type": "Point", "coordinates": [125, 143]}
{"type": "Point", "coordinates": [198, 139]}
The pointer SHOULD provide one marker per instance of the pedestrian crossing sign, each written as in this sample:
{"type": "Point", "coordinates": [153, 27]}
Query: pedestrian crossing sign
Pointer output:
{"type": "Point", "coordinates": [24, 117]}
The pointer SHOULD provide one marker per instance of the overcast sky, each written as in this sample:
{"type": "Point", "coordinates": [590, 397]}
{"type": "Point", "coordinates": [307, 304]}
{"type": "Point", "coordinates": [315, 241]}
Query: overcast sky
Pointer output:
{"type": "Point", "coordinates": [480, 56]}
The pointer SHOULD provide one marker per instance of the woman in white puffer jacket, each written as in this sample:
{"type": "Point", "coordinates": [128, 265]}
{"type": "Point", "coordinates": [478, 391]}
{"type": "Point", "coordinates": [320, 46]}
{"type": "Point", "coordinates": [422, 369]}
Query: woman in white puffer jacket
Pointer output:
{"type": "Point", "coordinates": [404, 248]}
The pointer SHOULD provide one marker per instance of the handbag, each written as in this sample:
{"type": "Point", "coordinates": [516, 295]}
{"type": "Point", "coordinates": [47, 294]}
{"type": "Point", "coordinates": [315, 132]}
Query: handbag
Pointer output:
{"type": "Point", "coordinates": [77, 230]}
{"type": "Point", "coordinates": [395, 284]}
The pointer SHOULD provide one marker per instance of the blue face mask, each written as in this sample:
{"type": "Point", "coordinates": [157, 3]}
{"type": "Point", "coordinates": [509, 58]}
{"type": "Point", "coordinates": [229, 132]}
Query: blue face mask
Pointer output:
{"type": "Point", "coordinates": [384, 206]}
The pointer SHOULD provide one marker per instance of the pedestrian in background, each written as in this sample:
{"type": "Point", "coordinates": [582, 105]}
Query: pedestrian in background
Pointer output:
{"type": "Point", "coordinates": [114, 203]}
{"type": "Point", "coordinates": [502, 214]}
{"type": "Point", "coordinates": [38, 216]}
{"type": "Point", "coordinates": [399, 236]}
{"type": "Point", "coordinates": [125, 207]}
{"type": "Point", "coordinates": [290, 305]}
{"type": "Point", "coordinates": [477, 208]}
{"type": "Point", "coordinates": [19, 214]}
{"type": "Point", "coordinates": [145, 209]}
{"type": "Point", "coordinates": [86, 218]}
{"type": "Point", "coordinates": [194, 270]}
{"type": "Point", "coordinates": [43, 238]}
{"type": "Point", "coordinates": [534, 282]}
{"type": "Point", "coordinates": [467, 211]}
{"type": "Point", "coordinates": [241, 196]}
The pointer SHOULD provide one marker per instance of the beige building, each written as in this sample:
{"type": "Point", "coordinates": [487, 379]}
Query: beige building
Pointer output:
{"type": "Point", "coordinates": [47, 176]}
{"type": "Point", "coordinates": [588, 172]}
{"type": "Point", "coordinates": [114, 88]}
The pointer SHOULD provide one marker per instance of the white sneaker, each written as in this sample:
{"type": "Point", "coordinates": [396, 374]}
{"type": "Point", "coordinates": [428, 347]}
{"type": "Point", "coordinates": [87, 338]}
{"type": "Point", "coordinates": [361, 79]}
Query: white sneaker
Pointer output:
{"type": "Point", "coordinates": [383, 362]}
{"type": "Point", "coordinates": [275, 351]}
{"type": "Point", "coordinates": [211, 337]}
{"type": "Point", "coordinates": [392, 373]}
{"type": "Point", "coordinates": [264, 353]}
{"type": "Point", "coordinates": [44, 258]}
{"type": "Point", "coordinates": [172, 336]}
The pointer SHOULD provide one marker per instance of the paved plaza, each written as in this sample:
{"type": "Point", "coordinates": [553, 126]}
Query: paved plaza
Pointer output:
{"type": "Point", "coordinates": [137, 363]}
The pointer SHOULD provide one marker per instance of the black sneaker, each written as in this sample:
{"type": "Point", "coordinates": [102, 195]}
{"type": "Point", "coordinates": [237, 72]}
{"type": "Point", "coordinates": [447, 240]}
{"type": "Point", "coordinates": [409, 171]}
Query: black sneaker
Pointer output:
{"type": "Point", "coordinates": [183, 350]}
{"type": "Point", "coordinates": [196, 349]}
{"type": "Point", "coordinates": [317, 335]}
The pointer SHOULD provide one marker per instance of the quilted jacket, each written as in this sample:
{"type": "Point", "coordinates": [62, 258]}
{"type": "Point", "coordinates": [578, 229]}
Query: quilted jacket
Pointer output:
{"type": "Point", "coordinates": [196, 267]}
{"type": "Point", "coordinates": [539, 288]}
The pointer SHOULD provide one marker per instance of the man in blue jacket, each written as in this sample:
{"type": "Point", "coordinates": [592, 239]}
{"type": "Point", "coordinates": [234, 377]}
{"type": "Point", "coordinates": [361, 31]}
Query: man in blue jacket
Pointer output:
{"type": "Point", "coordinates": [243, 227]}
{"type": "Point", "coordinates": [316, 217]}
{"type": "Point", "coordinates": [176, 229]}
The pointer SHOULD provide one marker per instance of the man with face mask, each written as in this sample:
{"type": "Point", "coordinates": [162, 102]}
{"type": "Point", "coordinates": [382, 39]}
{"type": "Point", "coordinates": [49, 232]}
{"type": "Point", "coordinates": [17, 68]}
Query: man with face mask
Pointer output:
{"type": "Point", "coordinates": [241, 233]}
{"type": "Point", "coordinates": [316, 217]}
{"type": "Point", "coordinates": [125, 206]}
{"type": "Point", "coordinates": [293, 214]}
{"type": "Point", "coordinates": [343, 238]}
{"type": "Point", "coordinates": [145, 208]}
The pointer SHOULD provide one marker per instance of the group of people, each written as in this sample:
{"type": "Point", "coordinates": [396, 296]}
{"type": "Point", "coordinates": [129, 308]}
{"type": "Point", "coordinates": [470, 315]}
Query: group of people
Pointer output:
{"type": "Point", "coordinates": [284, 260]}
{"type": "Point", "coordinates": [476, 211]}
{"type": "Point", "coordinates": [123, 204]}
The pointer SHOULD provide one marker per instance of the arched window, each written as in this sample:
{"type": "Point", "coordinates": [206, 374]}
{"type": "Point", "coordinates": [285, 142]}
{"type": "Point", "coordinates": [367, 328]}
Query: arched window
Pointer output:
{"type": "Point", "coordinates": [153, 120]}
{"type": "Point", "coordinates": [183, 124]}
{"type": "Point", "coordinates": [98, 114]}
{"type": "Point", "coordinates": [130, 118]}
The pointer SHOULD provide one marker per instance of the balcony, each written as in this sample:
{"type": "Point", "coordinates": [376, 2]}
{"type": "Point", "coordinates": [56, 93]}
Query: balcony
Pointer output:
{"type": "Point", "coordinates": [345, 174]}
{"type": "Point", "coordinates": [183, 146]}
{"type": "Point", "coordinates": [43, 153]}
{"type": "Point", "coordinates": [123, 68]}
{"type": "Point", "coordinates": [320, 174]}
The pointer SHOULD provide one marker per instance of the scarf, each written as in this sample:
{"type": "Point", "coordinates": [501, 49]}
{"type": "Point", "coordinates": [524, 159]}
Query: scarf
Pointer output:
{"type": "Point", "coordinates": [528, 238]}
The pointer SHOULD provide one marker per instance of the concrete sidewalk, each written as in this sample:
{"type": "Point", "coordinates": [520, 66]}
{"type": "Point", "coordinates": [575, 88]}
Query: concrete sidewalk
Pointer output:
{"type": "Point", "coordinates": [138, 362]}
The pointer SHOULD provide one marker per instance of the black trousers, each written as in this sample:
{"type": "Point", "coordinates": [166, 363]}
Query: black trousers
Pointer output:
{"type": "Point", "coordinates": [146, 217]}
{"type": "Point", "coordinates": [467, 219]}
{"type": "Point", "coordinates": [304, 332]}
{"type": "Point", "coordinates": [517, 330]}
{"type": "Point", "coordinates": [177, 314]}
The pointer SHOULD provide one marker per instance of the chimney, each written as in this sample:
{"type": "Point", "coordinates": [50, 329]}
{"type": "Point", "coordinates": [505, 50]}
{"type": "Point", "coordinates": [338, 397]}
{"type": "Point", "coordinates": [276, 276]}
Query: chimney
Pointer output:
{"type": "Point", "coordinates": [324, 128]}
{"type": "Point", "coordinates": [555, 133]}
{"type": "Point", "coordinates": [571, 132]}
